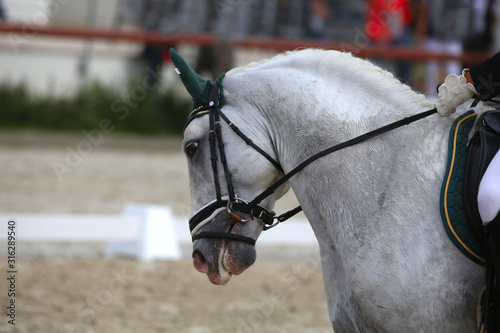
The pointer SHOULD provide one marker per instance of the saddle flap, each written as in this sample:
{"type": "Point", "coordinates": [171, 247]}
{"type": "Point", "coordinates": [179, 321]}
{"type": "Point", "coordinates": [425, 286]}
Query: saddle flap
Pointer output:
{"type": "Point", "coordinates": [483, 146]}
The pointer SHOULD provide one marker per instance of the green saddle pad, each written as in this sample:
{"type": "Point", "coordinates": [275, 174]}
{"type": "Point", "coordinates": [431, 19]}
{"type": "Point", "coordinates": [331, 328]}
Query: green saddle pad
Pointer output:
{"type": "Point", "coordinates": [452, 191]}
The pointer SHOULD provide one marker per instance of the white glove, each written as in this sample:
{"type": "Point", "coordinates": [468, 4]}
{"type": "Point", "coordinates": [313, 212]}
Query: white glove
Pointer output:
{"type": "Point", "coordinates": [453, 92]}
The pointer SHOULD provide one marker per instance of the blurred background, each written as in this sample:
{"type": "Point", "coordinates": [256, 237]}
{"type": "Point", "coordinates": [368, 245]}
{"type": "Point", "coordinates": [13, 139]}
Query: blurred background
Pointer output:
{"type": "Point", "coordinates": [91, 119]}
{"type": "Point", "coordinates": [52, 47]}
{"type": "Point", "coordinates": [58, 52]}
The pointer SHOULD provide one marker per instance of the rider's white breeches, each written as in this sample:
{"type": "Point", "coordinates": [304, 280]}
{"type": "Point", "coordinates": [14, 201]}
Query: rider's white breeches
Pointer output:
{"type": "Point", "coordinates": [488, 197]}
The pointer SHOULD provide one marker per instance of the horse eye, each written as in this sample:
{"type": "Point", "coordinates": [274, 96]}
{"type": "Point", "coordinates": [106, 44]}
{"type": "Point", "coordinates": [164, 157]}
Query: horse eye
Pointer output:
{"type": "Point", "coordinates": [191, 149]}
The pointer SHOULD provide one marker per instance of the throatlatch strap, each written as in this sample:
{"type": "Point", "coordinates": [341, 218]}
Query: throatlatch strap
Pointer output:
{"type": "Point", "coordinates": [249, 141]}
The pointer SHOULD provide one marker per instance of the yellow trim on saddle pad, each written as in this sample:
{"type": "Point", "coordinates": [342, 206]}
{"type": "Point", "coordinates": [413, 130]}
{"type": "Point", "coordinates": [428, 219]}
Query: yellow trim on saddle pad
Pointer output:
{"type": "Point", "coordinates": [452, 200]}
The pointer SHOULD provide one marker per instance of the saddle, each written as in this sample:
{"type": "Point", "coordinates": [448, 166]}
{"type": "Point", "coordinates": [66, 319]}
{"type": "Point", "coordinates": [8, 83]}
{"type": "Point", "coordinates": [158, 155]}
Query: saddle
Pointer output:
{"type": "Point", "coordinates": [483, 145]}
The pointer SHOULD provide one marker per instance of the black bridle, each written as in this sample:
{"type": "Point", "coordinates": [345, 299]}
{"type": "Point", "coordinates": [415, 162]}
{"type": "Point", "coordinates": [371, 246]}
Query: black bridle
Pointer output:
{"type": "Point", "coordinates": [235, 205]}
{"type": "Point", "coordinates": [230, 203]}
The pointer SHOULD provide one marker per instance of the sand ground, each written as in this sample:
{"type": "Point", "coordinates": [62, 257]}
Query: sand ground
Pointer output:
{"type": "Point", "coordinates": [84, 292]}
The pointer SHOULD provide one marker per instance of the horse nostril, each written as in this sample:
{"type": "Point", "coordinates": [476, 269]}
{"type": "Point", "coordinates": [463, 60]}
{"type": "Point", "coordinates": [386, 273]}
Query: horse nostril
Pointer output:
{"type": "Point", "coordinates": [199, 262]}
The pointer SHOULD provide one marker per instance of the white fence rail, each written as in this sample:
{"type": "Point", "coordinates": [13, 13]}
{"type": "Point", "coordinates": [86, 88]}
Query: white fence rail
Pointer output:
{"type": "Point", "coordinates": [142, 231]}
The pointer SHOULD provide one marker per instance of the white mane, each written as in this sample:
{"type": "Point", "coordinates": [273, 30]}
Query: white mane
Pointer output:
{"type": "Point", "coordinates": [343, 67]}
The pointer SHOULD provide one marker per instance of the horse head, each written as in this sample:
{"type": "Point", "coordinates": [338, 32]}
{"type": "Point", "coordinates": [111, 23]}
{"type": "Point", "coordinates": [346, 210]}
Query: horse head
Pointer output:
{"type": "Point", "coordinates": [225, 173]}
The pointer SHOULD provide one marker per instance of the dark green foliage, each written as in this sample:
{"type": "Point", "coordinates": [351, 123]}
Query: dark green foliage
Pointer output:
{"type": "Point", "coordinates": [137, 111]}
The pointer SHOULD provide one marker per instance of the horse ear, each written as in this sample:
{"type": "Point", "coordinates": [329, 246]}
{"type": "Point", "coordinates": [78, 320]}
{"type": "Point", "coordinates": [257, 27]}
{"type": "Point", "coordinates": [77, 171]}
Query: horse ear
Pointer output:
{"type": "Point", "coordinates": [193, 82]}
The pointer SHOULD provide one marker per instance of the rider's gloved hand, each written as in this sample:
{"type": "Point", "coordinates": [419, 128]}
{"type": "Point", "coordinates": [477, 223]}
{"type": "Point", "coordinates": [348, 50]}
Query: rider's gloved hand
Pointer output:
{"type": "Point", "coordinates": [453, 92]}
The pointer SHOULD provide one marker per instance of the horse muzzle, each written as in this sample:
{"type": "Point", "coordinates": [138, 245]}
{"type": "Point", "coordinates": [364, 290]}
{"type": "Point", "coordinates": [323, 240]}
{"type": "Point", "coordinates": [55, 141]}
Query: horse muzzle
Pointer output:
{"type": "Point", "coordinates": [223, 244]}
{"type": "Point", "coordinates": [221, 258]}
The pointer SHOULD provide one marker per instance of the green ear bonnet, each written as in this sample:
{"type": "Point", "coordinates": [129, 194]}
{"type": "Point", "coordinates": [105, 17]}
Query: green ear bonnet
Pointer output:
{"type": "Point", "coordinates": [197, 86]}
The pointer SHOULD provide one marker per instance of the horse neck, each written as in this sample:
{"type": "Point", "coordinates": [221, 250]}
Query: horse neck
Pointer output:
{"type": "Point", "coordinates": [312, 118]}
{"type": "Point", "coordinates": [305, 109]}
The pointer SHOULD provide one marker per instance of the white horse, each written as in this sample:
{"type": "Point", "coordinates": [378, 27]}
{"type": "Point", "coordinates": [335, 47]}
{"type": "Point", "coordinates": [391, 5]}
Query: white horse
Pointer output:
{"type": "Point", "coordinates": [388, 265]}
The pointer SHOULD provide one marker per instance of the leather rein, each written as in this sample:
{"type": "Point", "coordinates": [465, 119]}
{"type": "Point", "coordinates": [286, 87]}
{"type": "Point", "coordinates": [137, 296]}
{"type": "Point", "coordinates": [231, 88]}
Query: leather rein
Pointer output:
{"type": "Point", "coordinates": [234, 205]}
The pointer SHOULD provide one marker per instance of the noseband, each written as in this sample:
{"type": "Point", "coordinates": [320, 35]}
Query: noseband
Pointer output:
{"type": "Point", "coordinates": [233, 205]}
